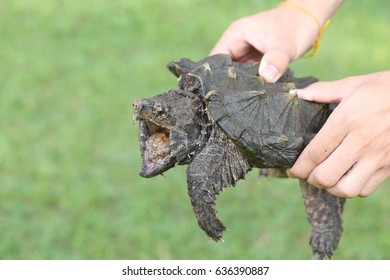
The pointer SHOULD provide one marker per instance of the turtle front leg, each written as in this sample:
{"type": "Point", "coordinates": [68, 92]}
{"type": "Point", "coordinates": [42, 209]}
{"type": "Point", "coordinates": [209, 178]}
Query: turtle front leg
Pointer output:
{"type": "Point", "coordinates": [324, 213]}
{"type": "Point", "coordinates": [219, 165]}
{"type": "Point", "coordinates": [203, 201]}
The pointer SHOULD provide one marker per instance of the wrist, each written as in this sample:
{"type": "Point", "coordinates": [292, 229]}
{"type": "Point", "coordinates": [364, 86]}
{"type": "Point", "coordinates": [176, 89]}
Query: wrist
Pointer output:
{"type": "Point", "coordinates": [322, 10]}
{"type": "Point", "coordinates": [313, 18]}
{"type": "Point", "coordinates": [301, 29]}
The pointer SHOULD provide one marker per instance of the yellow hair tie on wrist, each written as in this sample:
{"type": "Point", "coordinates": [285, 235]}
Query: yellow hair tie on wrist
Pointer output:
{"type": "Point", "coordinates": [321, 29]}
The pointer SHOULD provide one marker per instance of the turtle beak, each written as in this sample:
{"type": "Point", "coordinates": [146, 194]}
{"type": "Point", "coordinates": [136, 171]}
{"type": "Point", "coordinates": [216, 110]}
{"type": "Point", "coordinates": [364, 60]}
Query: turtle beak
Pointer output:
{"type": "Point", "coordinates": [154, 140]}
{"type": "Point", "coordinates": [138, 107]}
{"type": "Point", "coordinates": [155, 148]}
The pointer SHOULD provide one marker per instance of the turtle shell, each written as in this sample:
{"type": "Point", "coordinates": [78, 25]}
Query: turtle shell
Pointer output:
{"type": "Point", "coordinates": [269, 125]}
{"type": "Point", "coordinates": [271, 128]}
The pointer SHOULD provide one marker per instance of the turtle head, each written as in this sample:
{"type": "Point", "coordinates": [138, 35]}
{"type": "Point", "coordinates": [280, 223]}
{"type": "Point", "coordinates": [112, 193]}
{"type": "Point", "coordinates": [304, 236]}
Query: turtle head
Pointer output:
{"type": "Point", "coordinates": [172, 128]}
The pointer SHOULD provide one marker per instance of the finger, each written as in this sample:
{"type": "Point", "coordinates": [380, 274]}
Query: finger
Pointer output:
{"type": "Point", "coordinates": [220, 48]}
{"type": "Point", "coordinates": [252, 55]}
{"type": "Point", "coordinates": [276, 57]}
{"type": "Point", "coordinates": [374, 181]}
{"type": "Point", "coordinates": [355, 180]}
{"type": "Point", "coordinates": [336, 165]}
{"type": "Point", "coordinates": [238, 49]}
{"type": "Point", "coordinates": [327, 92]}
{"type": "Point", "coordinates": [273, 64]}
{"type": "Point", "coordinates": [321, 147]}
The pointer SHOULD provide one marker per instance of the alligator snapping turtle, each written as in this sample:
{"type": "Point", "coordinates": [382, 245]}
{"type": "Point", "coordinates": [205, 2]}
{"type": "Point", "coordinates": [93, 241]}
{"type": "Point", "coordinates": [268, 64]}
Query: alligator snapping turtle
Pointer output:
{"type": "Point", "coordinates": [223, 120]}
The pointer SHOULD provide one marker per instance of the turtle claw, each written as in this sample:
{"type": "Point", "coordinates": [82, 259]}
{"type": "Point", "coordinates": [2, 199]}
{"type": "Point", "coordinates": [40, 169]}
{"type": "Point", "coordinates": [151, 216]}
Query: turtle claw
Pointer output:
{"type": "Point", "coordinates": [207, 218]}
{"type": "Point", "coordinates": [323, 245]}
{"type": "Point", "coordinates": [214, 229]}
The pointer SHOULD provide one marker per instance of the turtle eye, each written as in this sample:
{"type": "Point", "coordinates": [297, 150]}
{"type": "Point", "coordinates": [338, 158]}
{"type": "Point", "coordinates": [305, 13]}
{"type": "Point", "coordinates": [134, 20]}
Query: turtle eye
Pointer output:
{"type": "Point", "coordinates": [136, 106]}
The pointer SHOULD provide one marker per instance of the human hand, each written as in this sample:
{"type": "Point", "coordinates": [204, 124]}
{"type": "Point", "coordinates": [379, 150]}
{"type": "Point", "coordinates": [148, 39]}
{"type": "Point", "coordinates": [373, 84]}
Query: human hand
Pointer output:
{"type": "Point", "coordinates": [275, 37]}
{"type": "Point", "coordinates": [350, 155]}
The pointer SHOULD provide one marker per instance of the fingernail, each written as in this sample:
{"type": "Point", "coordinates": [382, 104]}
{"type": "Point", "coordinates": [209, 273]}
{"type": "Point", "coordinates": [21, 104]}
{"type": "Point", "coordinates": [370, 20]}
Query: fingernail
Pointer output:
{"type": "Point", "coordinates": [294, 91]}
{"type": "Point", "coordinates": [289, 174]}
{"type": "Point", "coordinates": [270, 73]}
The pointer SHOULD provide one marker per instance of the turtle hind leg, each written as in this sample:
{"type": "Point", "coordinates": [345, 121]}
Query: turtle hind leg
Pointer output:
{"type": "Point", "coordinates": [324, 213]}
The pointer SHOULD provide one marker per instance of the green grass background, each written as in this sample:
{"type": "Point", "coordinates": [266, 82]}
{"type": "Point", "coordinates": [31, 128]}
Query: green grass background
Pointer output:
{"type": "Point", "coordinates": [69, 155]}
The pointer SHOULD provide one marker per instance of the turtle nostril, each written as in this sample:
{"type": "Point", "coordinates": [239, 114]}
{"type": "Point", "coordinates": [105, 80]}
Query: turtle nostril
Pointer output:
{"type": "Point", "coordinates": [158, 107]}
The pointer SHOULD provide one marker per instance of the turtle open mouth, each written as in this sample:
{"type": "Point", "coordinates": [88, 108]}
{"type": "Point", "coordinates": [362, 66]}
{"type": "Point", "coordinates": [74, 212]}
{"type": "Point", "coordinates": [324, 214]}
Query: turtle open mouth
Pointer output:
{"type": "Point", "coordinates": [155, 148]}
{"type": "Point", "coordinates": [169, 134]}
{"type": "Point", "coordinates": [157, 144]}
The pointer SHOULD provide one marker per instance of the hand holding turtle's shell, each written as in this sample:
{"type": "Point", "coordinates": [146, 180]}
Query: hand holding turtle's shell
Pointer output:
{"type": "Point", "coordinates": [275, 37]}
{"type": "Point", "coordinates": [350, 156]}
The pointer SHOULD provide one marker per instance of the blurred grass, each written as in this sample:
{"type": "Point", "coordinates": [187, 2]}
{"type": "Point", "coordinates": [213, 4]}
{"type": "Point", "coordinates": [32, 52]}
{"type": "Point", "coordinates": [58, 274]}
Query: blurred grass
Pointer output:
{"type": "Point", "coordinates": [69, 156]}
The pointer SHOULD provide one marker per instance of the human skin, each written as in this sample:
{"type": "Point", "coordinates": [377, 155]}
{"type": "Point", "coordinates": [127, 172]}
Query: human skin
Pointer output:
{"type": "Point", "coordinates": [277, 36]}
{"type": "Point", "coordinates": [350, 156]}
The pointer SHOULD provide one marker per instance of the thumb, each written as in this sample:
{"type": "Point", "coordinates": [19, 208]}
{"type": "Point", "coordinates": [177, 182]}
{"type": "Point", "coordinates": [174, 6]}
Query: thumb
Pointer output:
{"type": "Point", "coordinates": [273, 64]}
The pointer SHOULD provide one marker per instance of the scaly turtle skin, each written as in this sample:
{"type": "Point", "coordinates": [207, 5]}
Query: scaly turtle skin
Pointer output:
{"type": "Point", "coordinates": [223, 120]}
